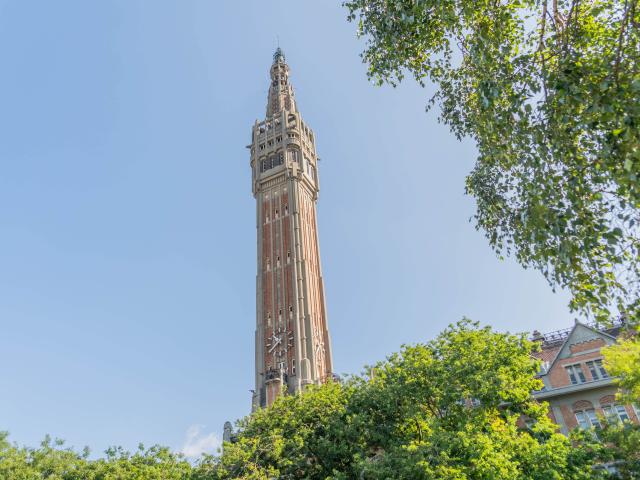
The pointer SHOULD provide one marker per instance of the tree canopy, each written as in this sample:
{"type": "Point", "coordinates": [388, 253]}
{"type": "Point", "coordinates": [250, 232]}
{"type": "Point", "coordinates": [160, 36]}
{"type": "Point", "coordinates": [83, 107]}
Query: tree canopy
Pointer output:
{"type": "Point", "coordinates": [52, 461]}
{"type": "Point", "coordinates": [458, 407]}
{"type": "Point", "coordinates": [549, 90]}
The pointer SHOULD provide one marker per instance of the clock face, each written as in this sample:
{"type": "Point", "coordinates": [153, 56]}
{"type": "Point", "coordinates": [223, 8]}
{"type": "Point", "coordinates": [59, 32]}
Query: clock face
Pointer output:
{"type": "Point", "coordinates": [275, 341]}
{"type": "Point", "coordinates": [279, 342]}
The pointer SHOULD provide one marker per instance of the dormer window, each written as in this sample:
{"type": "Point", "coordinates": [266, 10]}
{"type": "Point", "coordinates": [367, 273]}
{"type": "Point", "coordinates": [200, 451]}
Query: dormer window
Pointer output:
{"type": "Point", "coordinates": [597, 370]}
{"type": "Point", "coordinates": [575, 373]}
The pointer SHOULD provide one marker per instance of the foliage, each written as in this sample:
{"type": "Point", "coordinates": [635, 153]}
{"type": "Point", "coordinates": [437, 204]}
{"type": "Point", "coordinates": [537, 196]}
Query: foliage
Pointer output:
{"type": "Point", "coordinates": [623, 442]}
{"type": "Point", "coordinates": [452, 408]}
{"type": "Point", "coordinates": [53, 462]}
{"type": "Point", "coordinates": [550, 92]}
{"type": "Point", "coordinates": [622, 361]}
{"type": "Point", "coordinates": [448, 409]}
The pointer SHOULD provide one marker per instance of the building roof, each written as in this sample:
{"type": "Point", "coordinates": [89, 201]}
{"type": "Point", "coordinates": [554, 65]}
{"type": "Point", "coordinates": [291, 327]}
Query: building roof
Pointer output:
{"type": "Point", "coordinates": [553, 343]}
{"type": "Point", "coordinates": [556, 339]}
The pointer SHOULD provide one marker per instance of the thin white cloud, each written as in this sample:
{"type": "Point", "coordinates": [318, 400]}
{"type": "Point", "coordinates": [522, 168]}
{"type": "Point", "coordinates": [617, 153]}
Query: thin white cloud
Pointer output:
{"type": "Point", "coordinates": [198, 442]}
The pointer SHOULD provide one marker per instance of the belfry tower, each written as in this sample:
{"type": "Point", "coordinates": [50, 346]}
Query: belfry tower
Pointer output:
{"type": "Point", "coordinates": [292, 338]}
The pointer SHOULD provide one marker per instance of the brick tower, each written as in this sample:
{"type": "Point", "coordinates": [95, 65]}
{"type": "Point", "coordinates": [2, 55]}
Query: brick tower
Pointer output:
{"type": "Point", "coordinates": [292, 338]}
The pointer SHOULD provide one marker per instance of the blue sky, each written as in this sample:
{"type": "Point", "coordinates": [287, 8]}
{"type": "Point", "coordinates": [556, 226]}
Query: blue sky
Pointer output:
{"type": "Point", "coordinates": [127, 225]}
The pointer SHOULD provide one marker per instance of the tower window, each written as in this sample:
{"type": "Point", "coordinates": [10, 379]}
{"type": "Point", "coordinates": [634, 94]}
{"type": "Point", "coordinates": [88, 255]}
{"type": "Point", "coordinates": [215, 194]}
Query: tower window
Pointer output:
{"type": "Point", "coordinates": [286, 209]}
{"type": "Point", "coordinates": [293, 367]}
{"type": "Point", "coordinates": [267, 164]}
{"type": "Point", "coordinates": [288, 256]}
{"type": "Point", "coordinates": [278, 261]}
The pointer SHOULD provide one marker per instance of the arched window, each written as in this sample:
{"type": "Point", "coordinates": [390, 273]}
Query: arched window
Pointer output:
{"type": "Point", "coordinates": [615, 413]}
{"type": "Point", "coordinates": [585, 414]}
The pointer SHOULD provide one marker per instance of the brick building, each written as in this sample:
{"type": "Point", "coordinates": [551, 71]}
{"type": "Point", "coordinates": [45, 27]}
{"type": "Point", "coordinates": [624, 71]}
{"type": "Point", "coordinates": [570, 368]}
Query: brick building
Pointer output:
{"type": "Point", "coordinates": [576, 385]}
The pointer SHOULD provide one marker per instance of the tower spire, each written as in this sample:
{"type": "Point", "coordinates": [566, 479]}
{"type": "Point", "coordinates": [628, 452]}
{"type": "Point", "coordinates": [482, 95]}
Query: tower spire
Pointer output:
{"type": "Point", "coordinates": [280, 91]}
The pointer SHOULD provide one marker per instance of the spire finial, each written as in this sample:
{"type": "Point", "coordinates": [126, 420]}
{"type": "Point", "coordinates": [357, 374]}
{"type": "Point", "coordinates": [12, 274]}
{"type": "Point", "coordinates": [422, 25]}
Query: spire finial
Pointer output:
{"type": "Point", "coordinates": [278, 56]}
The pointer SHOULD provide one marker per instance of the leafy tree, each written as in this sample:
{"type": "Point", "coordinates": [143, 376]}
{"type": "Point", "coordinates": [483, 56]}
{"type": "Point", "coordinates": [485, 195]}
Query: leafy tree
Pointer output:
{"type": "Point", "coordinates": [54, 462]}
{"type": "Point", "coordinates": [623, 360]}
{"type": "Point", "coordinates": [623, 449]}
{"type": "Point", "coordinates": [448, 409]}
{"type": "Point", "coordinates": [290, 439]}
{"type": "Point", "coordinates": [549, 90]}
{"type": "Point", "coordinates": [452, 408]}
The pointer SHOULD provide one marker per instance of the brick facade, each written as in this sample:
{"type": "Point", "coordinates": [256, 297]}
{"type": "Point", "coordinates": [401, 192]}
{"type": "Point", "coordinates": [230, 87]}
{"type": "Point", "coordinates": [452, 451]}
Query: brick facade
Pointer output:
{"type": "Point", "coordinates": [577, 387]}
